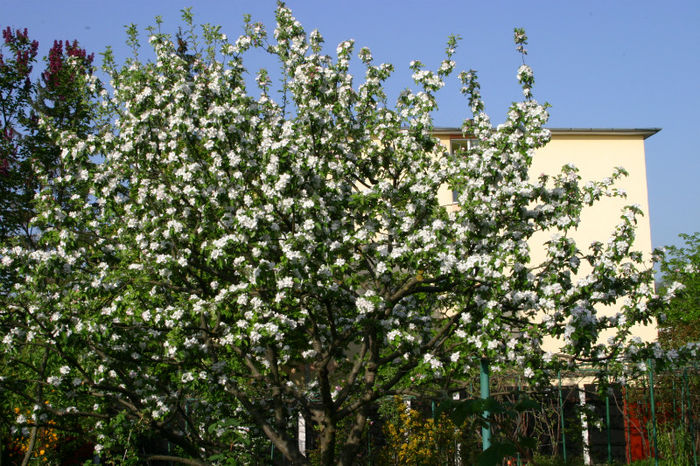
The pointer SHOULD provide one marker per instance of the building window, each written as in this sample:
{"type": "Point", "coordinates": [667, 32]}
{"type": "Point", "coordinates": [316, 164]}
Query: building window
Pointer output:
{"type": "Point", "coordinates": [460, 145]}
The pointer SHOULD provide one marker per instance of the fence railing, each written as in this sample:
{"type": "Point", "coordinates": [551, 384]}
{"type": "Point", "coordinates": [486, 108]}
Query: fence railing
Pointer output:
{"type": "Point", "coordinates": [652, 419]}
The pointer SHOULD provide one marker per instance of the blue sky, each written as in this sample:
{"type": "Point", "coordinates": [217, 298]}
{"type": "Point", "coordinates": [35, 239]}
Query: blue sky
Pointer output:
{"type": "Point", "coordinates": [600, 63]}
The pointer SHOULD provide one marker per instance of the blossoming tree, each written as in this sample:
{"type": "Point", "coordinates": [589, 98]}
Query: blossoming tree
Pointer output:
{"type": "Point", "coordinates": [30, 159]}
{"type": "Point", "coordinates": [228, 258]}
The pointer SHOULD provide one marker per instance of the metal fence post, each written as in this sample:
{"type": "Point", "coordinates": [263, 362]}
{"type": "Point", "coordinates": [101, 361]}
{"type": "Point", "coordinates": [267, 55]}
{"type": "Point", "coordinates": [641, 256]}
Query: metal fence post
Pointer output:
{"type": "Point", "coordinates": [485, 393]}
{"type": "Point", "coordinates": [689, 412]}
{"type": "Point", "coordinates": [518, 460]}
{"type": "Point", "coordinates": [673, 393]}
{"type": "Point", "coordinates": [369, 441]}
{"type": "Point", "coordinates": [684, 393]}
{"type": "Point", "coordinates": [653, 411]}
{"type": "Point", "coordinates": [561, 414]}
{"type": "Point", "coordinates": [626, 422]}
{"type": "Point", "coordinates": [607, 423]}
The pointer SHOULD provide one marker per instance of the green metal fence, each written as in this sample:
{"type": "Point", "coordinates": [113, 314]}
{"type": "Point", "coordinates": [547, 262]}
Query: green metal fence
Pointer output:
{"type": "Point", "coordinates": [652, 419]}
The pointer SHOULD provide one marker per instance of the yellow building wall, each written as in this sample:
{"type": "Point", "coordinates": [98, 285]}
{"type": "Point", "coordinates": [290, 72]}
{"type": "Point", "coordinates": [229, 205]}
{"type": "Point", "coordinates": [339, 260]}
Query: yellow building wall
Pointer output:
{"type": "Point", "coordinates": [596, 155]}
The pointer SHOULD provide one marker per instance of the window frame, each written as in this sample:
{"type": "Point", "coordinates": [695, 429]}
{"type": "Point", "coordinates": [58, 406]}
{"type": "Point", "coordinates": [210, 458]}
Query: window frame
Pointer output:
{"type": "Point", "coordinates": [465, 144]}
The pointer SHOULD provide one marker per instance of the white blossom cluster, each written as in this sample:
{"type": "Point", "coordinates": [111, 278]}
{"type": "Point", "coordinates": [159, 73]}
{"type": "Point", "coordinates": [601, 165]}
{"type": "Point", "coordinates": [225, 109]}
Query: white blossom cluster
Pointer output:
{"type": "Point", "coordinates": [242, 251]}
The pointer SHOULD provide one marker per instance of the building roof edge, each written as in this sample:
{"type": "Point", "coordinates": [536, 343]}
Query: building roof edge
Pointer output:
{"type": "Point", "coordinates": [644, 132]}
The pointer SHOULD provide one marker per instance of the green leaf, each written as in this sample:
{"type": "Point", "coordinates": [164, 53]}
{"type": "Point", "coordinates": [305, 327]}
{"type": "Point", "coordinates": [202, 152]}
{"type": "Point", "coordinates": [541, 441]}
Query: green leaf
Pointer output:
{"type": "Point", "coordinates": [526, 404]}
{"type": "Point", "coordinates": [494, 454]}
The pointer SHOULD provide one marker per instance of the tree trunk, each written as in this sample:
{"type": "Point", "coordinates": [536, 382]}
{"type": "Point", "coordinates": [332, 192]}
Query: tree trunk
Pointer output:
{"type": "Point", "coordinates": [285, 446]}
{"type": "Point", "coordinates": [327, 442]}
{"type": "Point", "coordinates": [354, 440]}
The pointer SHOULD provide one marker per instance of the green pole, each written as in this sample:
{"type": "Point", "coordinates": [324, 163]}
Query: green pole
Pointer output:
{"type": "Point", "coordinates": [673, 394]}
{"type": "Point", "coordinates": [684, 387]}
{"type": "Point", "coordinates": [518, 460]}
{"type": "Point", "coordinates": [369, 442]}
{"type": "Point", "coordinates": [561, 415]}
{"type": "Point", "coordinates": [627, 422]}
{"type": "Point", "coordinates": [485, 393]}
{"type": "Point", "coordinates": [690, 418]}
{"type": "Point", "coordinates": [607, 423]}
{"type": "Point", "coordinates": [653, 411]}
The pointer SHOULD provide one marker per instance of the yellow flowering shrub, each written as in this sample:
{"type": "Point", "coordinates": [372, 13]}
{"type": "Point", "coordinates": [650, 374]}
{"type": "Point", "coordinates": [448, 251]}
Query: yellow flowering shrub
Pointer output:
{"type": "Point", "coordinates": [46, 442]}
{"type": "Point", "coordinates": [414, 440]}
